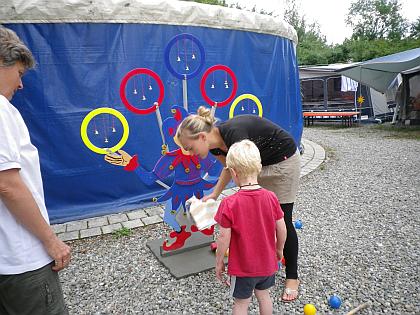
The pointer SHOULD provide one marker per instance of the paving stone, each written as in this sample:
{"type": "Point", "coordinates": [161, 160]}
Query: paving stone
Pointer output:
{"type": "Point", "coordinates": [111, 228]}
{"type": "Point", "coordinates": [97, 222]}
{"type": "Point", "coordinates": [304, 173]}
{"type": "Point", "coordinates": [76, 225]}
{"type": "Point", "coordinates": [133, 224]}
{"type": "Point", "coordinates": [154, 211]}
{"type": "Point", "coordinates": [90, 232]}
{"type": "Point", "coordinates": [152, 220]}
{"type": "Point", "coordinates": [117, 218]}
{"type": "Point", "coordinates": [68, 236]}
{"type": "Point", "coordinates": [58, 228]}
{"type": "Point", "coordinates": [136, 214]}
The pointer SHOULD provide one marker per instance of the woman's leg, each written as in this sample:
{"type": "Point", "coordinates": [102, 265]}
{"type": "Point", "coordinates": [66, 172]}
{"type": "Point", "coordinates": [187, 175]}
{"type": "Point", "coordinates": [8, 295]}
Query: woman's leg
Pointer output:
{"type": "Point", "coordinates": [291, 247]}
{"type": "Point", "coordinates": [290, 253]}
{"type": "Point", "coordinates": [283, 179]}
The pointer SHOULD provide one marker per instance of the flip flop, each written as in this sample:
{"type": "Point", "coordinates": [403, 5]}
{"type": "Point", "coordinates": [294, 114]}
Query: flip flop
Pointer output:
{"type": "Point", "coordinates": [289, 292]}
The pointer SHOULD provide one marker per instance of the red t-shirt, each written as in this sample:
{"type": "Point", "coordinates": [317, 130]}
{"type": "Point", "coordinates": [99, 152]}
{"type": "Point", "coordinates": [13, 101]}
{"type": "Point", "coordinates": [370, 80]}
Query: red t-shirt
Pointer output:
{"type": "Point", "coordinates": [252, 216]}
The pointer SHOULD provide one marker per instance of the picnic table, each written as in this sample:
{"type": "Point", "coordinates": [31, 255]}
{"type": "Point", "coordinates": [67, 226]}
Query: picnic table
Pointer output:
{"type": "Point", "coordinates": [347, 118]}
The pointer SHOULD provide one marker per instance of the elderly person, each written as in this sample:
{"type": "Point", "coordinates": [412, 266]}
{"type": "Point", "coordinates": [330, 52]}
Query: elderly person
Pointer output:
{"type": "Point", "coordinates": [30, 252]}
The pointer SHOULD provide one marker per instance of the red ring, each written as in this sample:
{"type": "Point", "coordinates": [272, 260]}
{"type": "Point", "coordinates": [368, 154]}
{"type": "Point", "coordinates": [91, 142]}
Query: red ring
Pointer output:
{"type": "Point", "coordinates": [203, 85]}
{"type": "Point", "coordinates": [124, 97]}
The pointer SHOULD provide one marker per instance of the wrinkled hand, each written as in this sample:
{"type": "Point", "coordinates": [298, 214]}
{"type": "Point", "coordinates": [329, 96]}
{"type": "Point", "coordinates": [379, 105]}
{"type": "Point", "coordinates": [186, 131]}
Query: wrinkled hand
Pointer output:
{"type": "Point", "coordinates": [59, 251]}
{"type": "Point", "coordinates": [120, 160]}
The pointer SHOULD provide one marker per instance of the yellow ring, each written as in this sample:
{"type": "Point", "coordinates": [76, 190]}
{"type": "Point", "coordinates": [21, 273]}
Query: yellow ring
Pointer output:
{"type": "Point", "coordinates": [242, 97]}
{"type": "Point", "coordinates": [98, 111]}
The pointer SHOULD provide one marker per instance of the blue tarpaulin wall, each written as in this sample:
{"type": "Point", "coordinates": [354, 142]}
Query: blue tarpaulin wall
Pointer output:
{"type": "Point", "coordinates": [80, 67]}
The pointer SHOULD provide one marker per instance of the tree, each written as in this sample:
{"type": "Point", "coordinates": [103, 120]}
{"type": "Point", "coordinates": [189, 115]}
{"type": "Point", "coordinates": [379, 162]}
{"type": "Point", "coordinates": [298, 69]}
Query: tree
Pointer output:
{"type": "Point", "coordinates": [362, 50]}
{"type": "Point", "coordinates": [378, 30]}
{"type": "Point", "coordinates": [415, 29]}
{"type": "Point", "coordinates": [376, 19]}
{"type": "Point", "coordinates": [312, 47]}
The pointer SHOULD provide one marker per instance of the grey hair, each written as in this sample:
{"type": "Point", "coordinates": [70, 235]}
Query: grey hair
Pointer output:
{"type": "Point", "coordinates": [13, 50]}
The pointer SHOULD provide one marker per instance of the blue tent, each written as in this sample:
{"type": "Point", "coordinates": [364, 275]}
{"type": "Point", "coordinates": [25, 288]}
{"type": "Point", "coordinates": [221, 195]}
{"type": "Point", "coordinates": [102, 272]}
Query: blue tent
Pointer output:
{"type": "Point", "coordinates": [85, 49]}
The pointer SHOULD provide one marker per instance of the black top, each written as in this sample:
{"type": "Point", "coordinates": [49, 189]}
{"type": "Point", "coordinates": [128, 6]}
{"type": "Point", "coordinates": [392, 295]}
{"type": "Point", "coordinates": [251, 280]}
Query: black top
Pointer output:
{"type": "Point", "coordinates": [274, 143]}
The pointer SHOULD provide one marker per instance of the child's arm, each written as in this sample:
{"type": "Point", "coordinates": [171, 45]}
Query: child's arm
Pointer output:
{"type": "Point", "coordinates": [281, 234]}
{"type": "Point", "coordinates": [223, 242]}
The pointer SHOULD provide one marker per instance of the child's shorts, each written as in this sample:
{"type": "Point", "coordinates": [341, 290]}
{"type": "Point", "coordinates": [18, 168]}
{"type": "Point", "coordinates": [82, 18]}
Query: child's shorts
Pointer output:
{"type": "Point", "coordinates": [243, 287]}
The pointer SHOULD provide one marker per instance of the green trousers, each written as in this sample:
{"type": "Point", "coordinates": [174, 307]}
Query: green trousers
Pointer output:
{"type": "Point", "coordinates": [35, 292]}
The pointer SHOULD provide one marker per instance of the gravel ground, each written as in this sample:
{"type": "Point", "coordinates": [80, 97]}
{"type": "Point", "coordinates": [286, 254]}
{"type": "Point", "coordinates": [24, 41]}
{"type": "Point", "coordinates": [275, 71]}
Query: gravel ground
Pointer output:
{"type": "Point", "coordinates": [360, 240]}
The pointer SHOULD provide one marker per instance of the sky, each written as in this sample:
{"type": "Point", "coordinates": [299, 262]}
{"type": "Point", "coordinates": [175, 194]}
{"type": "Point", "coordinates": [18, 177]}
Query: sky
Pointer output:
{"type": "Point", "coordinates": [330, 14]}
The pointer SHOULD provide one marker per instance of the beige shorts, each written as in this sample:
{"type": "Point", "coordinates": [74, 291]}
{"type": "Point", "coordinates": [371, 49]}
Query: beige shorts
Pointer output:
{"type": "Point", "coordinates": [282, 178]}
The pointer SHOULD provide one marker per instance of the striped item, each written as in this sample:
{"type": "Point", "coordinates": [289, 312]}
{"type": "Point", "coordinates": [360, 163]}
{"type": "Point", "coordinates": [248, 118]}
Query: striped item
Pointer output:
{"type": "Point", "coordinates": [348, 84]}
{"type": "Point", "coordinates": [203, 212]}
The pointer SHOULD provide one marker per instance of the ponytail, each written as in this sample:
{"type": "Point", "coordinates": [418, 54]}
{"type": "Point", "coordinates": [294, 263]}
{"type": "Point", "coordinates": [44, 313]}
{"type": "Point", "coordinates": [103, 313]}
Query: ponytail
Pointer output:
{"type": "Point", "coordinates": [194, 124]}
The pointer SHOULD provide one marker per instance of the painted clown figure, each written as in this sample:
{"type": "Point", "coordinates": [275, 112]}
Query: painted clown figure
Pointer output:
{"type": "Point", "coordinates": [188, 171]}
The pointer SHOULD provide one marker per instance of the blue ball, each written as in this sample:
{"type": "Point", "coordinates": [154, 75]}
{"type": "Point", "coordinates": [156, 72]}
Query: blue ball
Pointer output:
{"type": "Point", "coordinates": [298, 224]}
{"type": "Point", "coordinates": [334, 301]}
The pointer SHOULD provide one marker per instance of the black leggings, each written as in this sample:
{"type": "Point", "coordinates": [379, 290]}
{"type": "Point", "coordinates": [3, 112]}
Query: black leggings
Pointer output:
{"type": "Point", "coordinates": [291, 247]}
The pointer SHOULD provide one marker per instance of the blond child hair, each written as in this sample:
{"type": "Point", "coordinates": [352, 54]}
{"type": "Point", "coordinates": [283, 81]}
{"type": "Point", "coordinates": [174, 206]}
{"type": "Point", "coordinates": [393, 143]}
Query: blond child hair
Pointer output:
{"type": "Point", "coordinates": [244, 157]}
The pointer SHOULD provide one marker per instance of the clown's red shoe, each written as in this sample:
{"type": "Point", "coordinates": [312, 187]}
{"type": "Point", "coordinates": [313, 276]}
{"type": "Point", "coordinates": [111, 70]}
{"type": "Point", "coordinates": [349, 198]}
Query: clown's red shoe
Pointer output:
{"type": "Point", "coordinates": [209, 231]}
{"type": "Point", "coordinates": [181, 237]}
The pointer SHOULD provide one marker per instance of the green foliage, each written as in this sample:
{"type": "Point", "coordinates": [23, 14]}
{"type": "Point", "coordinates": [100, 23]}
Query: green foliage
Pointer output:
{"type": "Point", "coordinates": [400, 132]}
{"type": "Point", "coordinates": [122, 232]}
{"type": "Point", "coordinates": [415, 29]}
{"type": "Point", "coordinates": [361, 50]}
{"type": "Point", "coordinates": [312, 47]}
{"type": "Point", "coordinates": [376, 19]}
{"type": "Point", "coordinates": [378, 30]}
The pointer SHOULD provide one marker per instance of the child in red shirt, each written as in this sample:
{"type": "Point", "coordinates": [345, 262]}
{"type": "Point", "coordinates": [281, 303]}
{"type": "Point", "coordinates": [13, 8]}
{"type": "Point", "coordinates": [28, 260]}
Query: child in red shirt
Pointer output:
{"type": "Point", "coordinates": [252, 227]}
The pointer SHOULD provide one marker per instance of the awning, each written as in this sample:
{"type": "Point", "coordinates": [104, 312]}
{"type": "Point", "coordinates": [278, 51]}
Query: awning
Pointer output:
{"type": "Point", "coordinates": [379, 73]}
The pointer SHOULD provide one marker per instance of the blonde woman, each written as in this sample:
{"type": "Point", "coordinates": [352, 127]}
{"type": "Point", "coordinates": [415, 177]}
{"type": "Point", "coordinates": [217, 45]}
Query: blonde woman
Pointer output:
{"type": "Point", "coordinates": [200, 134]}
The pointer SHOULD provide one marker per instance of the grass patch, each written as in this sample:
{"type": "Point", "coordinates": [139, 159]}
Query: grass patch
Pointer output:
{"type": "Point", "coordinates": [330, 153]}
{"type": "Point", "coordinates": [123, 232]}
{"type": "Point", "coordinates": [393, 131]}
{"type": "Point", "coordinates": [400, 132]}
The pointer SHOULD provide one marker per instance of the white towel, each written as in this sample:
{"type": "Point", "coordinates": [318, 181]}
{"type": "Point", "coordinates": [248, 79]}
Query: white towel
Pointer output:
{"type": "Point", "coordinates": [348, 84]}
{"type": "Point", "coordinates": [203, 212]}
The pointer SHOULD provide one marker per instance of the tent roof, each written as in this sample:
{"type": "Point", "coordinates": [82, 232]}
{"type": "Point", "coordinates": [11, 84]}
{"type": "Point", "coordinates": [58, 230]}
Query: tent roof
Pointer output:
{"type": "Point", "coordinates": [412, 70]}
{"type": "Point", "coordinates": [379, 73]}
{"type": "Point", "coordinates": [170, 12]}
{"type": "Point", "coordinates": [308, 72]}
